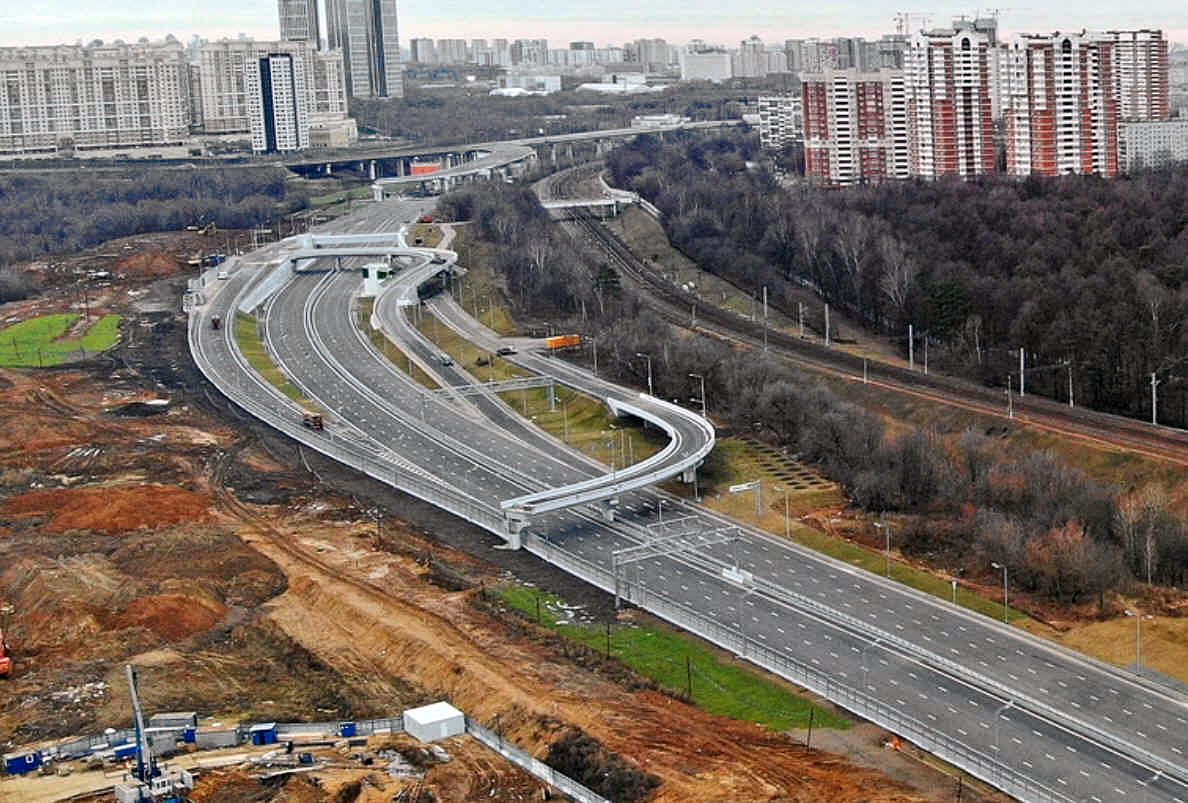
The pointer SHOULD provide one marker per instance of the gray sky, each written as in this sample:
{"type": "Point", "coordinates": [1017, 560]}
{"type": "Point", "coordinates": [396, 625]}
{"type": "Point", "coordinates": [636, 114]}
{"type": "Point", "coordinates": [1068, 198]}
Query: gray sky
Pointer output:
{"type": "Point", "coordinates": [605, 22]}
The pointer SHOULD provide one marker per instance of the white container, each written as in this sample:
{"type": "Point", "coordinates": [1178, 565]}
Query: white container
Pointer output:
{"type": "Point", "coordinates": [435, 721]}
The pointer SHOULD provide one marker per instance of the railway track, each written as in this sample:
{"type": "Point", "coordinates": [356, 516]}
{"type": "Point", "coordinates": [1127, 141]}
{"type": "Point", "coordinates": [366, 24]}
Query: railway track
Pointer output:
{"type": "Point", "coordinates": [676, 306]}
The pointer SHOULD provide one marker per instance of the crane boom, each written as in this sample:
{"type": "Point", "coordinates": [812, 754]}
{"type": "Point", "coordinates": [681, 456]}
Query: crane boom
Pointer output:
{"type": "Point", "coordinates": [143, 756]}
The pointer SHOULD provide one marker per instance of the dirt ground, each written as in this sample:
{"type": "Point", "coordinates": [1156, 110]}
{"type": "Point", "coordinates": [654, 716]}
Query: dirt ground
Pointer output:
{"type": "Point", "coordinates": [190, 543]}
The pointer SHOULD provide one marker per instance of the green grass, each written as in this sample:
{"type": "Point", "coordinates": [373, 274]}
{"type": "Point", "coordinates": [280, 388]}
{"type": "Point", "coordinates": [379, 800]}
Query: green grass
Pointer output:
{"type": "Point", "coordinates": [341, 196]}
{"type": "Point", "coordinates": [254, 352]}
{"type": "Point", "coordinates": [720, 685]}
{"type": "Point", "coordinates": [40, 341]}
{"type": "Point", "coordinates": [395, 355]}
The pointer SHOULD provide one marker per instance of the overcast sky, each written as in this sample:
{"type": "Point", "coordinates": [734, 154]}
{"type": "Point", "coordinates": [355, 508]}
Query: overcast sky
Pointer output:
{"type": "Point", "coordinates": [604, 22]}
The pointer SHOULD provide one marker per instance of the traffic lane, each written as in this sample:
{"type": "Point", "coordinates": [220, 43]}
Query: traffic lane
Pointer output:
{"type": "Point", "coordinates": [316, 374]}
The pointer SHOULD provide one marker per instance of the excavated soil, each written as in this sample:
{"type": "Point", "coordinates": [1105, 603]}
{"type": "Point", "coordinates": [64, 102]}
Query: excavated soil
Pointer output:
{"type": "Point", "coordinates": [110, 510]}
{"type": "Point", "coordinates": [291, 606]}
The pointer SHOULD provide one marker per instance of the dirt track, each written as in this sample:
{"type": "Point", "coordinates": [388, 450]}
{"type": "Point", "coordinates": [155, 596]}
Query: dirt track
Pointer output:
{"type": "Point", "coordinates": [134, 538]}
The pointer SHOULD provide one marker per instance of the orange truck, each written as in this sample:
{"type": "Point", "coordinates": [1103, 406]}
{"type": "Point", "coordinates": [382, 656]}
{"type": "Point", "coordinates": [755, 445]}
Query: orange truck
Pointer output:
{"type": "Point", "coordinates": [562, 341]}
{"type": "Point", "coordinates": [5, 660]}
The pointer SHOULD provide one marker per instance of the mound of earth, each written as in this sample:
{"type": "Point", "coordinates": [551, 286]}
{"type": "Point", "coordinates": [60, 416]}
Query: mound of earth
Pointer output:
{"type": "Point", "coordinates": [170, 616]}
{"type": "Point", "coordinates": [110, 510]}
{"type": "Point", "coordinates": [149, 264]}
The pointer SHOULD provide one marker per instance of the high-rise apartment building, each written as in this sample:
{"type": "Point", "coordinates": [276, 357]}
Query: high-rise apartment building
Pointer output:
{"type": "Point", "coordinates": [233, 90]}
{"type": "Point", "coordinates": [299, 21]}
{"type": "Point", "coordinates": [422, 50]}
{"type": "Point", "coordinates": [1059, 105]}
{"type": "Point", "coordinates": [1140, 74]}
{"type": "Point", "coordinates": [451, 51]}
{"type": "Point", "coordinates": [949, 79]}
{"type": "Point", "coordinates": [278, 103]}
{"type": "Point", "coordinates": [855, 126]}
{"type": "Point", "coordinates": [781, 120]}
{"type": "Point", "coordinates": [94, 96]}
{"type": "Point", "coordinates": [365, 31]}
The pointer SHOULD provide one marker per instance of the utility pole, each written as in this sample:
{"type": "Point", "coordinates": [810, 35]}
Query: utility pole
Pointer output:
{"type": "Point", "coordinates": [800, 309]}
{"type": "Point", "coordinates": [649, 359]}
{"type": "Point", "coordinates": [911, 349]}
{"type": "Point", "coordinates": [1154, 399]}
{"type": "Point", "coordinates": [826, 326]}
{"type": "Point", "coordinates": [1070, 385]}
{"type": "Point", "coordinates": [764, 319]}
{"type": "Point", "coordinates": [1022, 392]}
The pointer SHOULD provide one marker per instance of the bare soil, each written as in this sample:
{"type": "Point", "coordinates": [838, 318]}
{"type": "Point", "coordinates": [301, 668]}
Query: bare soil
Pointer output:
{"type": "Point", "coordinates": [192, 544]}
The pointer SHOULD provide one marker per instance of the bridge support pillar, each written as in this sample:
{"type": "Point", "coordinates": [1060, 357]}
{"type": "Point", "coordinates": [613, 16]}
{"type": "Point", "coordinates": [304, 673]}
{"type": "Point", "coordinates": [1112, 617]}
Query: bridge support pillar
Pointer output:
{"type": "Point", "coordinates": [689, 475]}
{"type": "Point", "coordinates": [400, 168]}
{"type": "Point", "coordinates": [553, 153]}
{"type": "Point", "coordinates": [377, 193]}
{"type": "Point", "coordinates": [515, 523]}
{"type": "Point", "coordinates": [371, 170]}
{"type": "Point", "coordinates": [569, 151]}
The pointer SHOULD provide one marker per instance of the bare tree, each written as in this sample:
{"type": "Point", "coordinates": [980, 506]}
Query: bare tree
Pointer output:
{"type": "Point", "coordinates": [899, 272]}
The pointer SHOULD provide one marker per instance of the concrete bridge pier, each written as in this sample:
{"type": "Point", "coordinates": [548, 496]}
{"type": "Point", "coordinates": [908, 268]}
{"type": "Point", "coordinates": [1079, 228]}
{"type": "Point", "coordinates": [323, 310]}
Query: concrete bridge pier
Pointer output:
{"type": "Point", "coordinates": [327, 168]}
{"type": "Point", "coordinates": [553, 153]}
{"type": "Point", "coordinates": [371, 170]}
{"type": "Point", "coordinates": [377, 193]}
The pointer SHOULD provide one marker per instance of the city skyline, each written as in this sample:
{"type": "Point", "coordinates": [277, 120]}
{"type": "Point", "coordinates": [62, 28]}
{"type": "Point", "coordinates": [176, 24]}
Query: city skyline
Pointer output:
{"type": "Point", "coordinates": [66, 21]}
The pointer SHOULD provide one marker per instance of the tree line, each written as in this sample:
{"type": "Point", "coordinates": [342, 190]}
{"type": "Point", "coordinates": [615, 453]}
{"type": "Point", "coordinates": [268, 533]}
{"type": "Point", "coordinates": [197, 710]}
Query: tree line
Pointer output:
{"type": "Point", "coordinates": [66, 211]}
{"type": "Point", "coordinates": [1088, 277]}
{"type": "Point", "coordinates": [1062, 533]}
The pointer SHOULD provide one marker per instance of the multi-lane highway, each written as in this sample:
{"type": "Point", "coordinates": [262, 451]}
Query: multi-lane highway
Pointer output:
{"type": "Point", "coordinates": [1038, 721]}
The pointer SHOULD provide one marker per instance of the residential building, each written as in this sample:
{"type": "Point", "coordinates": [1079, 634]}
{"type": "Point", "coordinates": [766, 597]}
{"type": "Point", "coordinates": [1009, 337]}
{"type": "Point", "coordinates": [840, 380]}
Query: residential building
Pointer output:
{"type": "Point", "coordinates": [366, 33]}
{"type": "Point", "coordinates": [949, 85]}
{"type": "Point", "coordinates": [237, 80]}
{"type": "Point", "coordinates": [279, 108]}
{"type": "Point", "coordinates": [1140, 76]}
{"type": "Point", "coordinates": [539, 84]}
{"type": "Point", "coordinates": [96, 96]}
{"type": "Point", "coordinates": [700, 62]}
{"type": "Point", "coordinates": [855, 126]}
{"type": "Point", "coordinates": [1059, 105]}
{"type": "Point", "coordinates": [451, 51]}
{"type": "Point", "coordinates": [781, 120]}
{"type": "Point", "coordinates": [1152, 144]}
{"type": "Point", "coordinates": [299, 21]}
{"type": "Point", "coordinates": [751, 61]}
{"type": "Point", "coordinates": [422, 51]}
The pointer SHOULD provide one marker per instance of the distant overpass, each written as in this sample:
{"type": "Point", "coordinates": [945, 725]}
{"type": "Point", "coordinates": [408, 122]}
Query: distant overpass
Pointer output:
{"type": "Point", "coordinates": [391, 170]}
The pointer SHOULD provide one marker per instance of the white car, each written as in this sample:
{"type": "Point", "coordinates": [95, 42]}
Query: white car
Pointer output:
{"type": "Point", "coordinates": [222, 274]}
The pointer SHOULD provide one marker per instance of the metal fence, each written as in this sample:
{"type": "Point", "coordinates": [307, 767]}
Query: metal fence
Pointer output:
{"type": "Point", "coordinates": [972, 761]}
{"type": "Point", "coordinates": [534, 765]}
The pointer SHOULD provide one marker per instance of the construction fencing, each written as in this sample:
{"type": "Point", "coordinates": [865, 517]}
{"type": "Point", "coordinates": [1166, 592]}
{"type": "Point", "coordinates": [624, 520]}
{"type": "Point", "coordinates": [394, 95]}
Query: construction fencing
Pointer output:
{"type": "Point", "coordinates": [534, 765]}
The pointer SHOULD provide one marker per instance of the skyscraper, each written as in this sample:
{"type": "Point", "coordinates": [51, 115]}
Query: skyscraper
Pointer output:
{"type": "Point", "coordinates": [365, 30]}
{"type": "Point", "coordinates": [279, 103]}
{"type": "Point", "coordinates": [1141, 74]}
{"type": "Point", "coordinates": [298, 20]}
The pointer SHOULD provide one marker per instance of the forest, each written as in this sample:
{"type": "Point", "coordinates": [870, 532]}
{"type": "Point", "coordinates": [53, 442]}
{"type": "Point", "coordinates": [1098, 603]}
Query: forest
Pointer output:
{"type": "Point", "coordinates": [1062, 533]}
{"type": "Point", "coordinates": [55, 212]}
{"type": "Point", "coordinates": [1088, 277]}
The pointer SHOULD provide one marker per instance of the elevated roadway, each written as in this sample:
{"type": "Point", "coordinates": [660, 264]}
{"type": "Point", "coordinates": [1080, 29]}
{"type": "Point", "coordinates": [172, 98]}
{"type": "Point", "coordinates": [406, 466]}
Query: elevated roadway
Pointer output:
{"type": "Point", "coordinates": [1038, 721]}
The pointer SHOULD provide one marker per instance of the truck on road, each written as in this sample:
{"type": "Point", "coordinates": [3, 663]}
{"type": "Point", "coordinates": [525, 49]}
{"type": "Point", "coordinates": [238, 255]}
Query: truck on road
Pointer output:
{"type": "Point", "coordinates": [562, 341]}
{"type": "Point", "coordinates": [312, 420]}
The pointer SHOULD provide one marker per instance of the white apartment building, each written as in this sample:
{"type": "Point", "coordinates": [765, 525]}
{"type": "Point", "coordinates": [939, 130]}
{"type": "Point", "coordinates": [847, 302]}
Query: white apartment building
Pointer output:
{"type": "Point", "coordinates": [1152, 144]}
{"type": "Point", "coordinates": [278, 102]}
{"type": "Point", "coordinates": [708, 64]}
{"type": "Point", "coordinates": [781, 120]}
{"type": "Point", "coordinates": [1140, 77]}
{"type": "Point", "coordinates": [96, 96]}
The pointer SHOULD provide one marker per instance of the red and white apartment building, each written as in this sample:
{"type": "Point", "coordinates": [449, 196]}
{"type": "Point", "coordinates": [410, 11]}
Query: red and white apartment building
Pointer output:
{"type": "Point", "coordinates": [1062, 98]}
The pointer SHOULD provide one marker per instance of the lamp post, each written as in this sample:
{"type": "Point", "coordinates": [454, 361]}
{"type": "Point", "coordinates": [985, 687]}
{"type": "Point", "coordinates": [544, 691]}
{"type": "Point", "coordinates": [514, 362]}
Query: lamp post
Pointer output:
{"type": "Point", "coordinates": [1138, 640]}
{"type": "Point", "coordinates": [787, 516]}
{"type": "Point", "coordinates": [1004, 587]}
{"type": "Point", "coordinates": [647, 357]}
{"type": "Point", "coordinates": [886, 528]}
{"type": "Point", "coordinates": [702, 399]}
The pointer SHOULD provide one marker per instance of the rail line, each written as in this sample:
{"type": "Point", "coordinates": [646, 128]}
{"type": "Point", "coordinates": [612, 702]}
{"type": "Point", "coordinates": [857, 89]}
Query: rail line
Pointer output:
{"type": "Point", "coordinates": [673, 305]}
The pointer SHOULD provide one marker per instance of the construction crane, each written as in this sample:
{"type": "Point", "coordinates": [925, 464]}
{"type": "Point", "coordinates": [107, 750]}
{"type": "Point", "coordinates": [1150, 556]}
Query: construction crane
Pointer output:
{"type": "Point", "coordinates": [146, 768]}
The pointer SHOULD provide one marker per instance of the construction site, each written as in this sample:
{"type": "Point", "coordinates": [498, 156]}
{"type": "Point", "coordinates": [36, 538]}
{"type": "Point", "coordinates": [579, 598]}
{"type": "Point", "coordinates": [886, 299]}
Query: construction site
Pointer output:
{"type": "Point", "coordinates": [146, 522]}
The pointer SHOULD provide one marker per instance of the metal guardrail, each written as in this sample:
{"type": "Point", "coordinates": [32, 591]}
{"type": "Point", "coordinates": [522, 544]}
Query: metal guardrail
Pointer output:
{"type": "Point", "coordinates": [976, 763]}
{"type": "Point", "coordinates": [534, 765]}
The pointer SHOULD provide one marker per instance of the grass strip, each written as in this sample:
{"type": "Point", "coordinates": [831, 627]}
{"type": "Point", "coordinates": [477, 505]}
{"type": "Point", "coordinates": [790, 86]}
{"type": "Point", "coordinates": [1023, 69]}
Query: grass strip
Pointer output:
{"type": "Point", "coordinates": [682, 664]}
{"type": "Point", "coordinates": [257, 356]}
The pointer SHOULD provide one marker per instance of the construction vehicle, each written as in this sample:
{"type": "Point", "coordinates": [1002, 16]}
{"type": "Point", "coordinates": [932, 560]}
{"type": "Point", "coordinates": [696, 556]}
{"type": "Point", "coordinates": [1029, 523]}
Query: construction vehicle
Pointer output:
{"type": "Point", "coordinates": [562, 341]}
{"type": "Point", "coordinates": [312, 420]}
{"type": "Point", "coordinates": [214, 322]}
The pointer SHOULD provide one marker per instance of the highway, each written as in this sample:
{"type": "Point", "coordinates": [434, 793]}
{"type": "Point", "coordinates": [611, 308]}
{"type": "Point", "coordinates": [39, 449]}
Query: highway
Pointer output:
{"type": "Point", "coordinates": [1036, 720]}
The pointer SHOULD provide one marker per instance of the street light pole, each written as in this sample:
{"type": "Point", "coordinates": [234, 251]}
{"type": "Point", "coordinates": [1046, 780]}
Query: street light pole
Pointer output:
{"type": "Point", "coordinates": [702, 378]}
{"type": "Point", "coordinates": [886, 528]}
{"type": "Point", "coordinates": [1004, 587]}
{"type": "Point", "coordinates": [647, 357]}
{"type": "Point", "coordinates": [1138, 639]}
